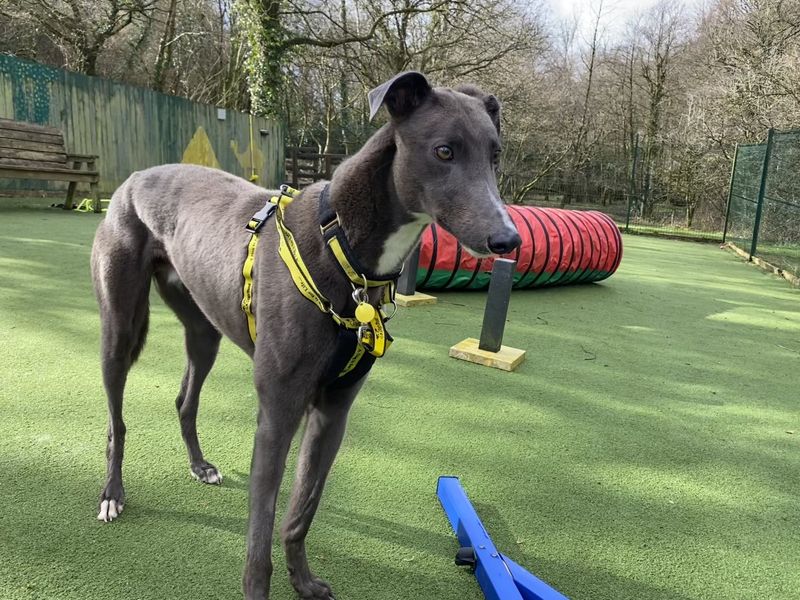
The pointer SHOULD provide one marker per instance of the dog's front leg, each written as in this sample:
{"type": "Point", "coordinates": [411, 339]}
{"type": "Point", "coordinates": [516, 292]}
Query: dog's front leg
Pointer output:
{"type": "Point", "coordinates": [321, 440]}
{"type": "Point", "coordinates": [282, 402]}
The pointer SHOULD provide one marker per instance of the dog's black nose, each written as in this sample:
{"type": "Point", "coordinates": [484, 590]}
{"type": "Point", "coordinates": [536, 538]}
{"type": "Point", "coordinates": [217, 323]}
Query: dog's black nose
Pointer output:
{"type": "Point", "coordinates": [505, 242]}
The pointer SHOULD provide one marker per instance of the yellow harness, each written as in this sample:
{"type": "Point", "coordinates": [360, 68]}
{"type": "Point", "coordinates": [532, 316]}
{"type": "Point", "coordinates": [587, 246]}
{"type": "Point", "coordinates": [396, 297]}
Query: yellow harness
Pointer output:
{"type": "Point", "coordinates": [368, 322]}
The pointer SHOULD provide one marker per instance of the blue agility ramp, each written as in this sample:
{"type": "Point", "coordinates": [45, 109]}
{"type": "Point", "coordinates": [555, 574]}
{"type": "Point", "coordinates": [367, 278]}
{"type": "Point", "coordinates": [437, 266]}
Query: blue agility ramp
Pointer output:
{"type": "Point", "coordinates": [500, 577]}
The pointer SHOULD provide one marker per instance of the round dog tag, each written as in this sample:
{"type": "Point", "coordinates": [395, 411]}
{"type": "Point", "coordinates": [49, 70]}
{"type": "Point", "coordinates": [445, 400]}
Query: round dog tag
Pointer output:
{"type": "Point", "coordinates": [365, 312]}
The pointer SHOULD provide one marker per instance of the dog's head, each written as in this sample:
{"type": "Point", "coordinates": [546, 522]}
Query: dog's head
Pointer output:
{"type": "Point", "coordinates": [448, 145]}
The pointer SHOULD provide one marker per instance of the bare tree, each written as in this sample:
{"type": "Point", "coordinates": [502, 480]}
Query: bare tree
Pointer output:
{"type": "Point", "coordinates": [81, 28]}
{"type": "Point", "coordinates": [660, 39]}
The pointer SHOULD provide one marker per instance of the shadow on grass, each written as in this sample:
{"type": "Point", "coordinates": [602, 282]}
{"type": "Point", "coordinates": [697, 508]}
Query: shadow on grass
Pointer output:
{"type": "Point", "coordinates": [643, 443]}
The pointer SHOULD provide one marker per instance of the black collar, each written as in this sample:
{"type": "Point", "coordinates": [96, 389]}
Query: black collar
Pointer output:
{"type": "Point", "coordinates": [336, 240]}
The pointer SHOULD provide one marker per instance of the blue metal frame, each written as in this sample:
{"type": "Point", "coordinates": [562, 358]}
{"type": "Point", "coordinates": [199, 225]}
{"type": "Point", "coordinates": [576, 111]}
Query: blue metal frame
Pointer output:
{"type": "Point", "coordinates": [500, 577]}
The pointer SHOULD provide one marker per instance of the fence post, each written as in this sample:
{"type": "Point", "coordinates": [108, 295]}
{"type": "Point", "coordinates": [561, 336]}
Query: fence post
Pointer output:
{"type": "Point", "coordinates": [295, 175]}
{"type": "Point", "coordinates": [632, 192]}
{"type": "Point", "coordinates": [730, 193]}
{"type": "Point", "coordinates": [761, 191]}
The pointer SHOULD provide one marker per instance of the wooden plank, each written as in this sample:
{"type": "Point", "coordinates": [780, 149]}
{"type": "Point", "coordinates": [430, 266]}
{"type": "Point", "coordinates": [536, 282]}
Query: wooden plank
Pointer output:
{"type": "Point", "coordinates": [416, 299]}
{"type": "Point", "coordinates": [32, 136]}
{"type": "Point", "coordinates": [33, 164]}
{"type": "Point", "coordinates": [25, 126]}
{"type": "Point", "coordinates": [764, 265]}
{"type": "Point", "coordinates": [56, 157]}
{"type": "Point", "coordinates": [506, 359]}
{"type": "Point", "coordinates": [28, 145]}
{"type": "Point", "coordinates": [22, 172]}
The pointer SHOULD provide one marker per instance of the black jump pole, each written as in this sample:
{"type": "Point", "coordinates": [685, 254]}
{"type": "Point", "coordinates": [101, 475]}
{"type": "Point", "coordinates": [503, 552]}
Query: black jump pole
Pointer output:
{"type": "Point", "coordinates": [494, 316]}
{"type": "Point", "coordinates": [407, 283]}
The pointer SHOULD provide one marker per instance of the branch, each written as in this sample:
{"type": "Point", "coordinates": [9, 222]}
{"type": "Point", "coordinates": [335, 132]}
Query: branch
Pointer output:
{"type": "Point", "coordinates": [331, 43]}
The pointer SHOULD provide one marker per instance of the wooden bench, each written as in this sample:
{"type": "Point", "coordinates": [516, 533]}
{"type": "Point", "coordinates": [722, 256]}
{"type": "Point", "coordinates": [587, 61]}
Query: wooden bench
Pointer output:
{"type": "Point", "coordinates": [29, 151]}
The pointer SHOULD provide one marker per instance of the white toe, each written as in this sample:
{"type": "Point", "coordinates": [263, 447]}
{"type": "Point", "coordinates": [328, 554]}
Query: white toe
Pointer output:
{"type": "Point", "coordinates": [109, 510]}
{"type": "Point", "coordinates": [214, 477]}
{"type": "Point", "coordinates": [103, 514]}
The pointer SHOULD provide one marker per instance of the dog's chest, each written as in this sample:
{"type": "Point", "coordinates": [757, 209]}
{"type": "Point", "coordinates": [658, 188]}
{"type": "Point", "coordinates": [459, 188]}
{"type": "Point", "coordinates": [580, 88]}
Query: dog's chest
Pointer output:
{"type": "Point", "coordinates": [399, 243]}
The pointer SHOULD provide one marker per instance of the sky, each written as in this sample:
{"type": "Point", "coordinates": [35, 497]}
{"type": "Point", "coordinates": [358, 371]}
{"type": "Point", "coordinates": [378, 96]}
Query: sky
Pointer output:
{"type": "Point", "coordinates": [621, 8]}
{"type": "Point", "coordinates": [616, 12]}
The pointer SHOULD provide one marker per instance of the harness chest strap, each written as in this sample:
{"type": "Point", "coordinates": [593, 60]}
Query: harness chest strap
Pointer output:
{"type": "Point", "coordinates": [253, 226]}
{"type": "Point", "coordinates": [371, 336]}
{"type": "Point", "coordinates": [288, 251]}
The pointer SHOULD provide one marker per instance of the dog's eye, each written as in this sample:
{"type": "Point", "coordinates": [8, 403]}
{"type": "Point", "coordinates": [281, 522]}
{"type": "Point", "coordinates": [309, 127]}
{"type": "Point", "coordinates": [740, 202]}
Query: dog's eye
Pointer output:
{"type": "Point", "coordinates": [443, 152]}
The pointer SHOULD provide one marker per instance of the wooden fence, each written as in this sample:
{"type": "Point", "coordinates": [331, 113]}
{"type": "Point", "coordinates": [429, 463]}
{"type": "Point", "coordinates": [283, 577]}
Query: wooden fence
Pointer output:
{"type": "Point", "coordinates": [307, 165]}
{"type": "Point", "coordinates": [133, 128]}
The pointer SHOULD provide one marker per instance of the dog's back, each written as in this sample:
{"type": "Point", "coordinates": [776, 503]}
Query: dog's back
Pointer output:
{"type": "Point", "coordinates": [167, 197]}
{"type": "Point", "coordinates": [207, 209]}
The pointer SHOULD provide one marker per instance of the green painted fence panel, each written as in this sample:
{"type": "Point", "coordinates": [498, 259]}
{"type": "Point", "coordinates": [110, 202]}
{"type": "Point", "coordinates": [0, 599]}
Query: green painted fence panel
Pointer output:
{"type": "Point", "coordinates": [132, 128]}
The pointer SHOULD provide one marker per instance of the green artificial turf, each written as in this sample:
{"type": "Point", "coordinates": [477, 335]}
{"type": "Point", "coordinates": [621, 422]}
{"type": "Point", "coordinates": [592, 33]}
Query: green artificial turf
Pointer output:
{"type": "Point", "coordinates": [648, 448]}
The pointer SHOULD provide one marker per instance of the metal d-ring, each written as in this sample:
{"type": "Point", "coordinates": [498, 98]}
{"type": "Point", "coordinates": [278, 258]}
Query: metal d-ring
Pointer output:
{"type": "Point", "coordinates": [360, 295]}
{"type": "Point", "coordinates": [394, 310]}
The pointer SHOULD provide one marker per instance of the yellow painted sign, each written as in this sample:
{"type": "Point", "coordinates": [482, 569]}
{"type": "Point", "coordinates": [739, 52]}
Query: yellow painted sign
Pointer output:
{"type": "Point", "coordinates": [199, 151]}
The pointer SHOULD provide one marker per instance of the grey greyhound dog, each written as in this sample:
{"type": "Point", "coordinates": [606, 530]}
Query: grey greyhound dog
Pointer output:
{"type": "Point", "coordinates": [184, 227]}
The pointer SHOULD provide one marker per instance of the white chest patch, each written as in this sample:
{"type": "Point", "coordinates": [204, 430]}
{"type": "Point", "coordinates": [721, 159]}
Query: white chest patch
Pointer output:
{"type": "Point", "coordinates": [400, 242]}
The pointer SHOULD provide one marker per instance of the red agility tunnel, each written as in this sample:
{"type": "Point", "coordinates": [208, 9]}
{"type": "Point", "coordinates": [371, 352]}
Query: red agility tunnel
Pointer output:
{"type": "Point", "coordinates": [558, 247]}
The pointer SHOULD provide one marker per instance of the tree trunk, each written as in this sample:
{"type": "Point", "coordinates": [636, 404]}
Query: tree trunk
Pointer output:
{"type": "Point", "coordinates": [265, 36]}
{"type": "Point", "coordinates": [164, 57]}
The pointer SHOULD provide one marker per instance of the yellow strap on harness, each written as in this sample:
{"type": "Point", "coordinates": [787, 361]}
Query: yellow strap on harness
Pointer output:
{"type": "Point", "coordinates": [247, 292]}
{"type": "Point", "coordinates": [299, 272]}
{"type": "Point", "coordinates": [254, 225]}
{"type": "Point", "coordinates": [372, 336]}
{"type": "Point", "coordinates": [352, 274]}
{"type": "Point", "coordinates": [354, 360]}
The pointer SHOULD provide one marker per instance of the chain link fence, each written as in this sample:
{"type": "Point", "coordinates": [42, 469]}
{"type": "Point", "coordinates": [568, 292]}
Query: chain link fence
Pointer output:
{"type": "Point", "coordinates": [763, 216]}
{"type": "Point", "coordinates": [678, 193]}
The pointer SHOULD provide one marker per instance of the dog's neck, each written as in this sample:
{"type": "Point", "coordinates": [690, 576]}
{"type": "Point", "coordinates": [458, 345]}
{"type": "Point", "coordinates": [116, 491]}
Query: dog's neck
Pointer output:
{"type": "Point", "coordinates": [380, 230]}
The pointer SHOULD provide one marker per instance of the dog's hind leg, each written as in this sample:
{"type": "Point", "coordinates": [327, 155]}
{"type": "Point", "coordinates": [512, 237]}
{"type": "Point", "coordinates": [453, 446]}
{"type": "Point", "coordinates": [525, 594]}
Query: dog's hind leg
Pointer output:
{"type": "Point", "coordinates": [202, 344]}
{"type": "Point", "coordinates": [321, 440]}
{"type": "Point", "coordinates": [121, 272]}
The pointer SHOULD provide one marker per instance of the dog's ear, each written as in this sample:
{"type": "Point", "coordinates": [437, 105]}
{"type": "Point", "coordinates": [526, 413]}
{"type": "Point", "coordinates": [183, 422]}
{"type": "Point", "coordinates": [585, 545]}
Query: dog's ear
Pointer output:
{"type": "Point", "coordinates": [493, 108]}
{"type": "Point", "coordinates": [490, 102]}
{"type": "Point", "coordinates": [401, 94]}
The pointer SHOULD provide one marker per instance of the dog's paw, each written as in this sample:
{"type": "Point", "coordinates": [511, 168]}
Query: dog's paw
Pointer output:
{"type": "Point", "coordinates": [206, 472]}
{"type": "Point", "coordinates": [313, 588]}
{"type": "Point", "coordinates": [109, 510]}
{"type": "Point", "coordinates": [112, 499]}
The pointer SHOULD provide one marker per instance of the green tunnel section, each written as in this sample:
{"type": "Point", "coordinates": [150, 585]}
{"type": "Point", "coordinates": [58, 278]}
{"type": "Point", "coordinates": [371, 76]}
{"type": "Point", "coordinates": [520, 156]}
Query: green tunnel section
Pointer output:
{"type": "Point", "coordinates": [559, 247]}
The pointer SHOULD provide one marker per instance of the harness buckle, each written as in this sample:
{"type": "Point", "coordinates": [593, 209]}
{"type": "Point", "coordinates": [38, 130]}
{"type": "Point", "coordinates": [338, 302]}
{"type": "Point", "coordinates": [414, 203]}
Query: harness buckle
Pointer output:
{"type": "Point", "coordinates": [330, 225]}
{"type": "Point", "coordinates": [253, 225]}
{"type": "Point", "coordinates": [366, 336]}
